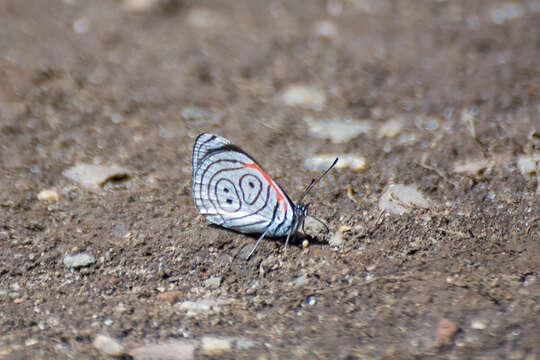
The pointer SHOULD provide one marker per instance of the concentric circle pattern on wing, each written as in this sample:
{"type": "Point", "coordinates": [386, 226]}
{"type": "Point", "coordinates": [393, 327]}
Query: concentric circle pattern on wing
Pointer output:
{"type": "Point", "coordinates": [232, 191]}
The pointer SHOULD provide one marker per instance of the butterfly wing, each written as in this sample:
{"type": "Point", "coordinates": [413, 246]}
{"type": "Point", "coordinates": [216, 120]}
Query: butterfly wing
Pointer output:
{"type": "Point", "coordinates": [233, 191]}
{"type": "Point", "coordinates": [204, 144]}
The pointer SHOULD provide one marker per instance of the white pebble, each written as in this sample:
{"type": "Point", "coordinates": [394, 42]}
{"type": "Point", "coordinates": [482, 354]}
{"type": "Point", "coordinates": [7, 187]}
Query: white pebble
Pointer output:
{"type": "Point", "coordinates": [400, 199]}
{"type": "Point", "coordinates": [47, 195]}
{"type": "Point", "coordinates": [108, 345]}
{"type": "Point", "coordinates": [472, 167]}
{"type": "Point", "coordinates": [140, 5]}
{"type": "Point", "coordinates": [214, 346]}
{"type": "Point", "coordinates": [79, 260]}
{"type": "Point", "coordinates": [336, 240]}
{"type": "Point", "coordinates": [478, 325]}
{"type": "Point", "coordinates": [213, 282]}
{"type": "Point", "coordinates": [304, 96]}
{"type": "Point", "coordinates": [202, 306]}
{"type": "Point", "coordinates": [176, 349]}
{"type": "Point", "coordinates": [355, 162]}
{"type": "Point", "coordinates": [337, 130]}
{"type": "Point", "coordinates": [528, 164]}
{"type": "Point", "coordinates": [301, 281]}
{"type": "Point", "coordinates": [93, 176]}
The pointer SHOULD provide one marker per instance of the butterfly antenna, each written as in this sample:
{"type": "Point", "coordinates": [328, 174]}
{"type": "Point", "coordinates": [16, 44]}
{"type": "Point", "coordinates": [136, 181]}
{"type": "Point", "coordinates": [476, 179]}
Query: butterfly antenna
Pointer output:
{"type": "Point", "coordinates": [320, 222]}
{"type": "Point", "coordinates": [316, 181]}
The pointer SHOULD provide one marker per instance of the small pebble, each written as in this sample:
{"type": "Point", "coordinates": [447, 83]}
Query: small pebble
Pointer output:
{"type": "Point", "coordinates": [528, 164]}
{"type": "Point", "coordinates": [478, 324]}
{"type": "Point", "coordinates": [214, 346]}
{"type": "Point", "coordinates": [311, 300]}
{"type": "Point", "coordinates": [78, 261]}
{"type": "Point", "coordinates": [213, 282]}
{"type": "Point", "coordinates": [92, 176]}
{"type": "Point", "coordinates": [47, 195]}
{"type": "Point", "coordinates": [337, 130]}
{"type": "Point", "coordinates": [140, 5]}
{"type": "Point", "coordinates": [305, 244]}
{"type": "Point", "coordinates": [473, 167]}
{"type": "Point", "coordinates": [336, 240]}
{"type": "Point", "coordinates": [107, 345]}
{"type": "Point", "coordinates": [301, 281]}
{"type": "Point", "coordinates": [202, 306]}
{"type": "Point", "coordinates": [30, 341]}
{"type": "Point", "coordinates": [355, 162]}
{"type": "Point", "coordinates": [171, 350]}
{"type": "Point", "coordinates": [304, 96]}
{"type": "Point", "coordinates": [400, 199]}
{"type": "Point", "coordinates": [244, 344]}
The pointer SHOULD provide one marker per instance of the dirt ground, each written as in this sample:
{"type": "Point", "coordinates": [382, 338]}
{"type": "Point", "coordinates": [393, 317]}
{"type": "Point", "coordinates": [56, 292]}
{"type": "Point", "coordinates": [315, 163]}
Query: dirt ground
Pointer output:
{"type": "Point", "coordinates": [132, 83]}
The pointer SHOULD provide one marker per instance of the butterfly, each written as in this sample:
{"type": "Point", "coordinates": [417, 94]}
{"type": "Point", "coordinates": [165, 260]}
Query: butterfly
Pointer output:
{"type": "Point", "coordinates": [232, 190]}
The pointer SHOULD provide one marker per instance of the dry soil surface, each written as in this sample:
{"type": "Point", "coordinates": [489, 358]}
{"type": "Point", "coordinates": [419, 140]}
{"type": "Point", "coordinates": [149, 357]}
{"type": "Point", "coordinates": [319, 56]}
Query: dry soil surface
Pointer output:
{"type": "Point", "coordinates": [448, 92]}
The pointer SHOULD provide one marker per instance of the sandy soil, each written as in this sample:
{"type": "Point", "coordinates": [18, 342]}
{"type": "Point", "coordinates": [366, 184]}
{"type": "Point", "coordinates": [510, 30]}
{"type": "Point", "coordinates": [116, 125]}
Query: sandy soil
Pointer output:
{"type": "Point", "coordinates": [105, 82]}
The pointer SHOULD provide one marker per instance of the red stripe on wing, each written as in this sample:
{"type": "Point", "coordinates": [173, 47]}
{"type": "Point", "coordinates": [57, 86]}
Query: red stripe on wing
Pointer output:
{"type": "Point", "coordinates": [280, 196]}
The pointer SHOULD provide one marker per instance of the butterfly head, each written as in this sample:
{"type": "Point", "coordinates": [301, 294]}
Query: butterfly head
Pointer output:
{"type": "Point", "coordinates": [301, 212]}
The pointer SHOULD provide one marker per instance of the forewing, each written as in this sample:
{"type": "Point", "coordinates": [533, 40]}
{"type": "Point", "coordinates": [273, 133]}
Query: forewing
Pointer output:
{"type": "Point", "coordinates": [204, 144]}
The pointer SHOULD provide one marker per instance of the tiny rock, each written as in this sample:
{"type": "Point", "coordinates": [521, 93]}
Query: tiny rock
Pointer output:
{"type": "Point", "coordinates": [79, 260]}
{"type": "Point", "coordinates": [336, 240]}
{"type": "Point", "coordinates": [47, 195]}
{"type": "Point", "coordinates": [140, 5]}
{"type": "Point", "coordinates": [528, 164]}
{"type": "Point", "coordinates": [301, 281]}
{"type": "Point", "coordinates": [339, 131]}
{"type": "Point", "coordinates": [355, 162]}
{"type": "Point", "coordinates": [92, 176]}
{"type": "Point", "coordinates": [303, 96]}
{"type": "Point", "coordinates": [472, 167]}
{"type": "Point", "coordinates": [478, 324]}
{"type": "Point", "coordinates": [171, 350]}
{"type": "Point", "coordinates": [107, 345]}
{"type": "Point", "coordinates": [213, 282]}
{"type": "Point", "coordinates": [400, 199]}
{"type": "Point", "coordinates": [215, 346]}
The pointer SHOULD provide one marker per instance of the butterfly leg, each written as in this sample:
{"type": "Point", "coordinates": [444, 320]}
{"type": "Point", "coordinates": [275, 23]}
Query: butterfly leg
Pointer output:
{"type": "Point", "coordinates": [256, 244]}
{"type": "Point", "coordinates": [287, 241]}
